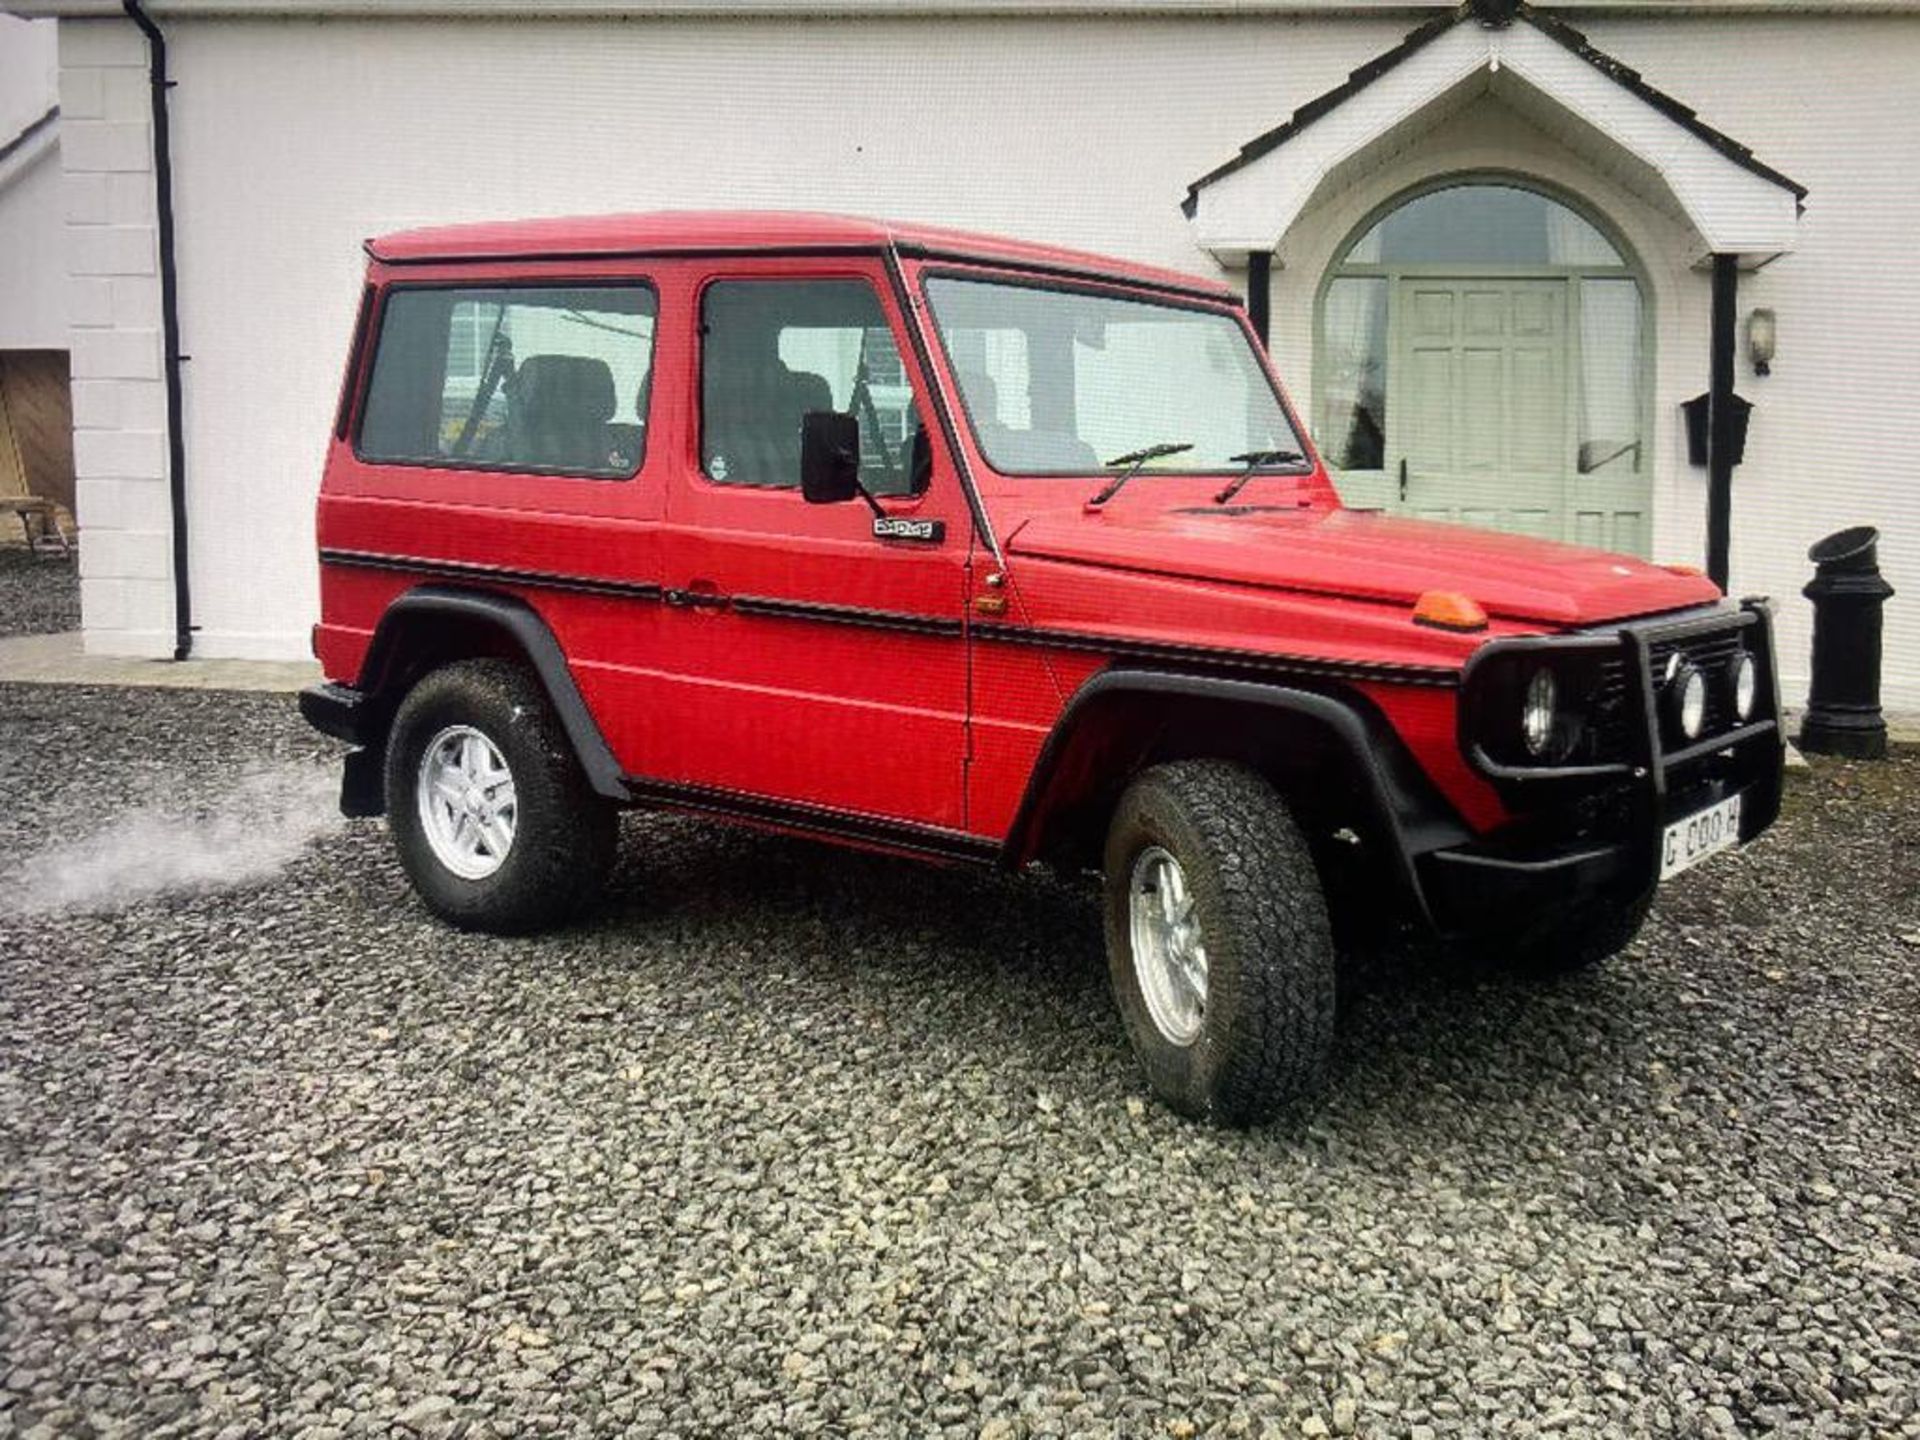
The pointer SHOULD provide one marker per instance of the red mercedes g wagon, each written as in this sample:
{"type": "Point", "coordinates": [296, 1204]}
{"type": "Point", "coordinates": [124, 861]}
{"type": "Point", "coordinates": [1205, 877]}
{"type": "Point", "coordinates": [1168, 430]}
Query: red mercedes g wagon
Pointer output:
{"type": "Point", "coordinates": [972, 550]}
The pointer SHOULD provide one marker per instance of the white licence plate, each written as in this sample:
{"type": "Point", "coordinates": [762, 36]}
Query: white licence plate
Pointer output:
{"type": "Point", "coordinates": [1703, 833]}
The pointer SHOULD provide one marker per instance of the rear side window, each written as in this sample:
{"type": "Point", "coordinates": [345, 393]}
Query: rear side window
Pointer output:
{"type": "Point", "coordinates": [541, 378]}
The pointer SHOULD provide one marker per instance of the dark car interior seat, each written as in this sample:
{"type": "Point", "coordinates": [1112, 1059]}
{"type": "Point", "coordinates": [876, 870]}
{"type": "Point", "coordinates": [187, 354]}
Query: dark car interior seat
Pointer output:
{"type": "Point", "coordinates": [754, 406]}
{"type": "Point", "coordinates": [627, 442]}
{"type": "Point", "coordinates": [1009, 449]}
{"type": "Point", "coordinates": [558, 409]}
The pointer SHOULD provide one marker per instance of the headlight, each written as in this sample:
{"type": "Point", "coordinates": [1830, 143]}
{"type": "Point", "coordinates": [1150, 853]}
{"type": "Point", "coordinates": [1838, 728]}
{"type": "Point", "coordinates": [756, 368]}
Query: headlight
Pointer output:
{"type": "Point", "coordinates": [1537, 713]}
{"type": "Point", "coordinates": [1746, 685]}
{"type": "Point", "coordinates": [1688, 689]}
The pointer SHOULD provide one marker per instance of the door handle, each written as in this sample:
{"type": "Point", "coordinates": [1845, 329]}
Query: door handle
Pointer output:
{"type": "Point", "coordinates": [1403, 479]}
{"type": "Point", "coordinates": [698, 594]}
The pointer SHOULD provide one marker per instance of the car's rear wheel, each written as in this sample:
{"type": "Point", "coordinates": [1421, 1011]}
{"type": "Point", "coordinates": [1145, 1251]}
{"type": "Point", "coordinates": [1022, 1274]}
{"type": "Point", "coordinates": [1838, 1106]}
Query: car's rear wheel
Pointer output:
{"type": "Point", "coordinates": [1218, 944]}
{"type": "Point", "coordinates": [494, 823]}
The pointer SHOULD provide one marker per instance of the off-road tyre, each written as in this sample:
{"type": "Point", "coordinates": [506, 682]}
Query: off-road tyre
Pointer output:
{"type": "Point", "coordinates": [565, 836]}
{"type": "Point", "coordinates": [1267, 1026]}
{"type": "Point", "coordinates": [1568, 941]}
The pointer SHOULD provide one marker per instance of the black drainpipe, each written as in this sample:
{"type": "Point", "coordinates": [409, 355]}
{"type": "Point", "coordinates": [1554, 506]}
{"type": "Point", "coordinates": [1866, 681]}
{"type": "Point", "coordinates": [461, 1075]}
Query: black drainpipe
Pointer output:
{"type": "Point", "coordinates": [1726, 283]}
{"type": "Point", "coordinates": [1259, 291]}
{"type": "Point", "coordinates": [159, 84]}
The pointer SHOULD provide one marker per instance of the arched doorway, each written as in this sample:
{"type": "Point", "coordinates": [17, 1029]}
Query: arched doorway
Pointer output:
{"type": "Point", "coordinates": [1484, 356]}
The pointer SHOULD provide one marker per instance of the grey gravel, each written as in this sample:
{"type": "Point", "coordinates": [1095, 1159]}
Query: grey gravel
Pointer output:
{"type": "Point", "coordinates": [799, 1141]}
{"type": "Point", "coordinates": [39, 594]}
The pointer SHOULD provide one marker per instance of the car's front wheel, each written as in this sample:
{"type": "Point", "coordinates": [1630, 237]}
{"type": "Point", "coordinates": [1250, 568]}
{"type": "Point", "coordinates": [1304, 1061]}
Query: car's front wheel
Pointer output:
{"type": "Point", "coordinates": [1218, 943]}
{"type": "Point", "coordinates": [494, 822]}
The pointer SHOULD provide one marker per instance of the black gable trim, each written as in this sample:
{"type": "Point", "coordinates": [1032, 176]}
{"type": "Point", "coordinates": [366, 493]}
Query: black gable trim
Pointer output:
{"type": "Point", "coordinates": [31, 130]}
{"type": "Point", "coordinates": [1311, 111]}
{"type": "Point", "coordinates": [1682, 115]}
{"type": "Point", "coordinates": [1479, 10]}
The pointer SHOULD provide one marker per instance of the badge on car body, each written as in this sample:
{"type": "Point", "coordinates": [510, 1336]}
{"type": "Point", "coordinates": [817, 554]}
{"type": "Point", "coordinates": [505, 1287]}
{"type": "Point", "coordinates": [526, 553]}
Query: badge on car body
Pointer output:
{"type": "Point", "coordinates": [893, 527]}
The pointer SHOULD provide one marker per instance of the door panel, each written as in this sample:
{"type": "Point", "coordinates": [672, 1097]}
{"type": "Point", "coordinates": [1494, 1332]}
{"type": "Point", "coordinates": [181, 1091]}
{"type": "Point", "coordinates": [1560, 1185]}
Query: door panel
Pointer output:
{"type": "Point", "coordinates": [810, 662]}
{"type": "Point", "coordinates": [1511, 408]}
{"type": "Point", "coordinates": [1480, 392]}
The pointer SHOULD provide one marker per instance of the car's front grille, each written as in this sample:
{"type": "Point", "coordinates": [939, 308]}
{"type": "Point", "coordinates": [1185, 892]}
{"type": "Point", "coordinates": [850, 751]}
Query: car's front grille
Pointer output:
{"type": "Point", "coordinates": [1620, 720]}
{"type": "Point", "coordinates": [1612, 705]}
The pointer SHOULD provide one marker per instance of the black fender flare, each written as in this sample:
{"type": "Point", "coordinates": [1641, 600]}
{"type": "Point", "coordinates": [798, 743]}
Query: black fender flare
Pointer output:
{"type": "Point", "coordinates": [523, 626]}
{"type": "Point", "coordinates": [1403, 808]}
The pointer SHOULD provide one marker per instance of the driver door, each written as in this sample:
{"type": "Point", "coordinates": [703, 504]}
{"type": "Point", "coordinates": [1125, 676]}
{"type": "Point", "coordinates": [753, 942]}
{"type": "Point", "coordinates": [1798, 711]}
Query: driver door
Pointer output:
{"type": "Point", "coordinates": [813, 664]}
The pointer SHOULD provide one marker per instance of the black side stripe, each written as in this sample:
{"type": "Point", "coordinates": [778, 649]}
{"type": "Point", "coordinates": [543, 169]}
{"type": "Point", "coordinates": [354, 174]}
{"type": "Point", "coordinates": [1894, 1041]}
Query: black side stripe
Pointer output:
{"type": "Point", "coordinates": [1266, 663]}
{"type": "Point", "coordinates": [932, 840]}
{"type": "Point", "coordinates": [499, 574]}
{"type": "Point", "coordinates": [1153, 652]}
{"type": "Point", "coordinates": [847, 615]}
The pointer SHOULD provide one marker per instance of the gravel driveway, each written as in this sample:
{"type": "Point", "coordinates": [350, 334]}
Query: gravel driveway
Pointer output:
{"type": "Point", "coordinates": [796, 1140]}
{"type": "Point", "coordinates": [39, 594]}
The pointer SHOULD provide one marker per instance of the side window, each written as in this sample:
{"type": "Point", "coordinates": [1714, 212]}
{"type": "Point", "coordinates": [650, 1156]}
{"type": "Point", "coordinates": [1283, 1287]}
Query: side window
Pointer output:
{"type": "Point", "coordinates": [539, 378]}
{"type": "Point", "coordinates": [775, 350]}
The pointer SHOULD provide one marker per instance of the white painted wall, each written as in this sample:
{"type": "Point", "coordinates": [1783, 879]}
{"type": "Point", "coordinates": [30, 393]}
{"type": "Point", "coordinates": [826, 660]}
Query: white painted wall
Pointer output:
{"type": "Point", "coordinates": [1835, 440]}
{"type": "Point", "coordinates": [29, 72]}
{"type": "Point", "coordinates": [295, 139]}
{"type": "Point", "coordinates": [32, 315]}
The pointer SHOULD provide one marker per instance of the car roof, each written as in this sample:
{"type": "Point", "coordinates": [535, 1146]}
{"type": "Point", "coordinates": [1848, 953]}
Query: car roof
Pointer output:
{"type": "Point", "coordinates": [753, 231]}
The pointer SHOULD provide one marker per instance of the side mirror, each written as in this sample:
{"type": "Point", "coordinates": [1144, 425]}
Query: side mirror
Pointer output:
{"type": "Point", "coordinates": [829, 457]}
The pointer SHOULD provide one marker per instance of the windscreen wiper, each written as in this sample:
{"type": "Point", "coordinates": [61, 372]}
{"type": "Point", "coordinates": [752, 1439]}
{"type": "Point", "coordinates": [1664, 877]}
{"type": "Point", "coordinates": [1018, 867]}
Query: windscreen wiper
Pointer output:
{"type": "Point", "coordinates": [1256, 460]}
{"type": "Point", "coordinates": [1134, 459]}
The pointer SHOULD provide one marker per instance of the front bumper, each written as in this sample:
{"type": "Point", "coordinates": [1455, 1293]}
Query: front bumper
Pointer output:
{"type": "Point", "coordinates": [1594, 831]}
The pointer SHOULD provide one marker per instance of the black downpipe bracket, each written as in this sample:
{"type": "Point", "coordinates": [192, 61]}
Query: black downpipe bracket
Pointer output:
{"type": "Point", "coordinates": [1726, 288]}
{"type": "Point", "coordinates": [1260, 291]}
{"type": "Point", "coordinates": [159, 84]}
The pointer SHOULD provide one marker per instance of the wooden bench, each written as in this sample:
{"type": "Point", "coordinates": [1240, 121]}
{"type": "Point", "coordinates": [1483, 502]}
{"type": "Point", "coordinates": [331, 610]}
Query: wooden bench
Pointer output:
{"type": "Point", "coordinates": [52, 536]}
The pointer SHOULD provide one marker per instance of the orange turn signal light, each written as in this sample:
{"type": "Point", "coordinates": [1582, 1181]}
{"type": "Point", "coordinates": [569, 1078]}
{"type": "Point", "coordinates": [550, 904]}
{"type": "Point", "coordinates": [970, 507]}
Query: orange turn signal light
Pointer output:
{"type": "Point", "coordinates": [1448, 610]}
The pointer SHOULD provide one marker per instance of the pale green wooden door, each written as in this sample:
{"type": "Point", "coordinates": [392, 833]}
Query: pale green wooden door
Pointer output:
{"type": "Point", "coordinates": [1496, 418]}
{"type": "Point", "coordinates": [1480, 422]}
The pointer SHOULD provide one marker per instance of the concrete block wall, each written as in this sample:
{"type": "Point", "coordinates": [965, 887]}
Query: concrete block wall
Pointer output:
{"type": "Point", "coordinates": [113, 318]}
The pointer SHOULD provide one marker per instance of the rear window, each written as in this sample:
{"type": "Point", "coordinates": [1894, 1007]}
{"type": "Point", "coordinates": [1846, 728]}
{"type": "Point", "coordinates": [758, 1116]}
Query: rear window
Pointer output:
{"type": "Point", "coordinates": [542, 378]}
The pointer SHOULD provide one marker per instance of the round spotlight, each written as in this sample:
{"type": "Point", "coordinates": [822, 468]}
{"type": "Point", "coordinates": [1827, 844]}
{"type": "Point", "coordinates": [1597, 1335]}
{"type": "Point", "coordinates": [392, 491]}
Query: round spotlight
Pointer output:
{"type": "Point", "coordinates": [1537, 713]}
{"type": "Point", "coordinates": [1689, 691]}
{"type": "Point", "coordinates": [1746, 685]}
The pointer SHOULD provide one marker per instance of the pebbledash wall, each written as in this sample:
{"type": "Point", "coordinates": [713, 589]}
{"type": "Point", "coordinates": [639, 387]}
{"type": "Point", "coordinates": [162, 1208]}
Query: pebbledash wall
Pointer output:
{"type": "Point", "coordinates": [297, 137]}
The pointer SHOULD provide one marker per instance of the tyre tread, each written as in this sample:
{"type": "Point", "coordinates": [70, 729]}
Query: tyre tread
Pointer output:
{"type": "Point", "coordinates": [1282, 1012]}
{"type": "Point", "coordinates": [569, 832]}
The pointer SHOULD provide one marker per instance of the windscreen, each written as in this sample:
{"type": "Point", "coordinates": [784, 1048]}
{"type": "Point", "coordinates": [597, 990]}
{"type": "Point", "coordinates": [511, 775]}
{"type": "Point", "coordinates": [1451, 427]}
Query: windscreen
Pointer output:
{"type": "Point", "coordinates": [1063, 382]}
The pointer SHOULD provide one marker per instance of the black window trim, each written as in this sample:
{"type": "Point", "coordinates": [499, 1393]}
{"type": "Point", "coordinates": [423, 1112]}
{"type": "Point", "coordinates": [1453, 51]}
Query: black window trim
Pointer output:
{"type": "Point", "coordinates": [376, 333]}
{"type": "Point", "coordinates": [346, 413]}
{"type": "Point", "coordinates": [706, 286]}
{"type": "Point", "coordinates": [1144, 294]}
